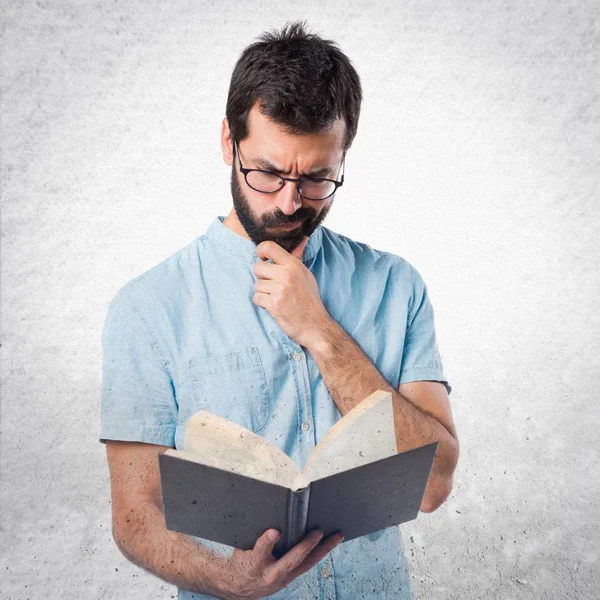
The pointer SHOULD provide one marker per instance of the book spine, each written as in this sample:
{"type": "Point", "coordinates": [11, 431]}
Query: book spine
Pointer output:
{"type": "Point", "coordinates": [297, 516]}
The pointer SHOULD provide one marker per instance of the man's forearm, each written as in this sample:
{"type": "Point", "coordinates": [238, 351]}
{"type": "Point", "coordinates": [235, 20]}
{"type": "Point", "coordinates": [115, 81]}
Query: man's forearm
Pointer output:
{"type": "Point", "coordinates": [174, 557]}
{"type": "Point", "coordinates": [350, 377]}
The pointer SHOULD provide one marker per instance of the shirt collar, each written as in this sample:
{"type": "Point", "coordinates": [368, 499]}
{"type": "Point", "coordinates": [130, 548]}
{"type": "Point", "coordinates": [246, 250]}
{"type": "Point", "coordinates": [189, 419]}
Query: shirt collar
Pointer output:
{"type": "Point", "coordinates": [244, 249]}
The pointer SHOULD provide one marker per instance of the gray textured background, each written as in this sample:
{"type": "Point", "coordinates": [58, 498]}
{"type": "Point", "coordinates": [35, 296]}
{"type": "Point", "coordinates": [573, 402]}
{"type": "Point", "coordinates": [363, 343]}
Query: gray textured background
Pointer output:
{"type": "Point", "coordinates": [476, 159]}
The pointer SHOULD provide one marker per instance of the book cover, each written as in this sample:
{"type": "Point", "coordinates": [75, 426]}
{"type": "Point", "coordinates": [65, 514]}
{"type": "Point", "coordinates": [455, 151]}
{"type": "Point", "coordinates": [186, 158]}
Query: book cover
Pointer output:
{"type": "Point", "coordinates": [229, 485]}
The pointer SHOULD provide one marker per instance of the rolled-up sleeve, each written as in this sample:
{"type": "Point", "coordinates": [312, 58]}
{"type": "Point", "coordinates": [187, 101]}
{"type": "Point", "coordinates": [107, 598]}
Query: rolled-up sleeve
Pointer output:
{"type": "Point", "coordinates": [137, 398]}
{"type": "Point", "coordinates": [421, 359]}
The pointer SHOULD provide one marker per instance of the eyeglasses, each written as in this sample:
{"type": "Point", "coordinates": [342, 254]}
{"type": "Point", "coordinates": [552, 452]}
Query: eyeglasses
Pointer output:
{"type": "Point", "coordinates": [268, 182]}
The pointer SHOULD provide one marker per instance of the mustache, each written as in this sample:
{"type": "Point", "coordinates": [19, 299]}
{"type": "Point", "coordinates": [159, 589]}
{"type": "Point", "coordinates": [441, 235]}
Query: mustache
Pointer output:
{"type": "Point", "coordinates": [300, 215]}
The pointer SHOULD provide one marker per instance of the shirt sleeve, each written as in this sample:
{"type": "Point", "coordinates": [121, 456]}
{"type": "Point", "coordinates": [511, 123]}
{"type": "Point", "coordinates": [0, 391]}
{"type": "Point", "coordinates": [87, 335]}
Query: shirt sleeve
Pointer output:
{"type": "Point", "coordinates": [421, 359]}
{"type": "Point", "coordinates": [137, 399]}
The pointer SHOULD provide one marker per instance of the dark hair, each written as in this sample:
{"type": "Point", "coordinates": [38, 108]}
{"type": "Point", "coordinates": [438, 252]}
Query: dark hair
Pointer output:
{"type": "Point", "coordinates": [302, 82]}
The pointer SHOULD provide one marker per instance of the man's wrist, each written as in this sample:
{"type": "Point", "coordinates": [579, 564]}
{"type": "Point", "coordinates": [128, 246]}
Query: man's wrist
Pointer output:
{"type": "Point", "coordinates": [324, 341]}
{"type": "Point", "coordinates": [224, 580]}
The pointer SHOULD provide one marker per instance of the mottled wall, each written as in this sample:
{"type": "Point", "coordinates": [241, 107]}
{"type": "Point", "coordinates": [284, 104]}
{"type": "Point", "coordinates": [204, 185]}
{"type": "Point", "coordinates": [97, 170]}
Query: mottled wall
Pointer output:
{"type": "Point", "coordinates": [476, 159]}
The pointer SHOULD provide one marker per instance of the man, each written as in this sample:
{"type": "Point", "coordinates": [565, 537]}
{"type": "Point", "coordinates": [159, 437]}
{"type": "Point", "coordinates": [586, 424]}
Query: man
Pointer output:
{"type": "Point", "coordinates": [279, 324]}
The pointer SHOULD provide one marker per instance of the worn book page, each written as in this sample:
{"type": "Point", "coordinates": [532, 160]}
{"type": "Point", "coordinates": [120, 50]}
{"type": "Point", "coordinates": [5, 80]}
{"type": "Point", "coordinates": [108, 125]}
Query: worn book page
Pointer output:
{"type": "Point", "coordinates": [217, 442]}
{"type": "Point", "coordinates": [363, 435]}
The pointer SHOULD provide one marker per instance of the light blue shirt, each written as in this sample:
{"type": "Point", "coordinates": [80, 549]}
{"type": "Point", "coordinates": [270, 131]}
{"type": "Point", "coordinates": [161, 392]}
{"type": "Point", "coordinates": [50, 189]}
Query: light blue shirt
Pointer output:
{"type": "Point", "coordinates": [186, 336]}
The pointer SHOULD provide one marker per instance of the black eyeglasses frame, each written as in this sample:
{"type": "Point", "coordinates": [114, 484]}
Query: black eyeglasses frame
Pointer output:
{"type": "Point", "coordinates": [298, 181]}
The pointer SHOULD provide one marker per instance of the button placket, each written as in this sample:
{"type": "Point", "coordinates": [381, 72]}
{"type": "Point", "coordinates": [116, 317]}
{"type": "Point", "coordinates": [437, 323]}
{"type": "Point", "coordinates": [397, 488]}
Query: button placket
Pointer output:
{"type": "Point", "coordinates": [304, 381]}
{"type": "Point", "coordinates": [326, 577]}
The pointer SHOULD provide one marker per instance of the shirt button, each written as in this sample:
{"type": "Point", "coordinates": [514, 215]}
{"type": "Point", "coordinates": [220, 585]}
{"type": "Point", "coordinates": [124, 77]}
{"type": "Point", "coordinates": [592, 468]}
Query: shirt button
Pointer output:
{"type": "Point", "coordinates": [325, 573]}
{"type": "Point", "coordinates": [297, 356]}
{"type": "Point", "coordinates": [305, 426]}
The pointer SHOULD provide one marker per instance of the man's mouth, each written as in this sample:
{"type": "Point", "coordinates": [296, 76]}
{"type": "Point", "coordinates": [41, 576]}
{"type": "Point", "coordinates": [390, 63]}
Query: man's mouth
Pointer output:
{"type": "Point", "coordinates": [287, 226]}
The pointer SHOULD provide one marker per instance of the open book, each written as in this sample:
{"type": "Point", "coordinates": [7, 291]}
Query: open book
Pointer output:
{"type": "Point", "coordinates": [230, 485]}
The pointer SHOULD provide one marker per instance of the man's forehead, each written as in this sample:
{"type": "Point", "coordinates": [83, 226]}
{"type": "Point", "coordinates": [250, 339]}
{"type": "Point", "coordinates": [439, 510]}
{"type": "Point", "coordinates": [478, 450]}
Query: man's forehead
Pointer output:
{"type": "Point", "coordinates": [261, 125]}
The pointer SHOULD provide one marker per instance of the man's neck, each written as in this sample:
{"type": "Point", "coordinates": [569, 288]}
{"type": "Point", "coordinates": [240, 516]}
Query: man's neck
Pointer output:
{"type": "Point", "coordinates": [232, 222]}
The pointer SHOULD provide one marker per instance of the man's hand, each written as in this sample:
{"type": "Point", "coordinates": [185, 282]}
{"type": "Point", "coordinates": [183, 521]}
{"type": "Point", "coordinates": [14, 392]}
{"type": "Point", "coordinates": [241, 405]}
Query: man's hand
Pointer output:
{"type": "Point", "coordinates": [288, 290]}
{"type": "Point", "coordinates": [257, 573]}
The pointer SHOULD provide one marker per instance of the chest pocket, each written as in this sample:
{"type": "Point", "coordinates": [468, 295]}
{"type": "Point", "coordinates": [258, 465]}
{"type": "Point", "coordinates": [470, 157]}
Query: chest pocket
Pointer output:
{"type": "Point", "coordinates": [233, 386]}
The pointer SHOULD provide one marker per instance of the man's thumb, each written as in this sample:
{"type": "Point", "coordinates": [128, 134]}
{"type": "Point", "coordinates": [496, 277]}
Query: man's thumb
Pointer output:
{"type": "Point", "coordinates": [266, 542]}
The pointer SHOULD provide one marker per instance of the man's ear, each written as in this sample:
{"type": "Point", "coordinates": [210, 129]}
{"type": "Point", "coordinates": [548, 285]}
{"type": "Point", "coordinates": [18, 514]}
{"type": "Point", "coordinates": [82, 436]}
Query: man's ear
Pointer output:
{"type": "Point", "coordinates": [226, 143]}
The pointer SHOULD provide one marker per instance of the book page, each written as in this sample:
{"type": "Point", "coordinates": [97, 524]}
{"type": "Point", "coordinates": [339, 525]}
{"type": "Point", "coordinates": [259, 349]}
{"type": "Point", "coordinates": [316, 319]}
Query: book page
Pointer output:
{"type": "Point", "coordinates": [363, 435]}
{"type": "Point", "coordinates": [217, 442]}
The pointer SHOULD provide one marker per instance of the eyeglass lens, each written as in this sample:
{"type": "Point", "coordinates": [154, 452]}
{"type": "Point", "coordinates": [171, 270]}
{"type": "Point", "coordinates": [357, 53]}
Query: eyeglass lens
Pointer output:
{"type": "Point", "coordinates": [270, 182]}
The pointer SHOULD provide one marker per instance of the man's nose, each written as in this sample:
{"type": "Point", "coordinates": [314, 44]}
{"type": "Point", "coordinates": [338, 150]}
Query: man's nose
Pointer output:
{"type": "Point", "coordinates": [288, 200]}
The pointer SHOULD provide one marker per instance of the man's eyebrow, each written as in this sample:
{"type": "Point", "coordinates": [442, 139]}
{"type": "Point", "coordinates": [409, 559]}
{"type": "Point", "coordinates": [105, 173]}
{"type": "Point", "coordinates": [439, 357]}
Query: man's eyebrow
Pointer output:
{"type": "Point", "coordinates": [267, 166]}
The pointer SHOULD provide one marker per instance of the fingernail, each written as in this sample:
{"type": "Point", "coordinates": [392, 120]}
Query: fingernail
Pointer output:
{"type": "Point", "coordinates": [316, 535]}
{"type": "Point", "coordinates": [273, 535]}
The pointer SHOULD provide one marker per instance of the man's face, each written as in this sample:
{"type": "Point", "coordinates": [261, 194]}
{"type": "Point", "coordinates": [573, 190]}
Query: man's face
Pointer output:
{"type": "Point", "coordinates": [268, 225]}
{"type": "Point", "coordinates": [268, 147]}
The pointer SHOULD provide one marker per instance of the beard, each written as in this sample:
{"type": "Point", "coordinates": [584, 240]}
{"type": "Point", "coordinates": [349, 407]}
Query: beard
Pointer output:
{"type": "Point", "coordinates": [257, 228]}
